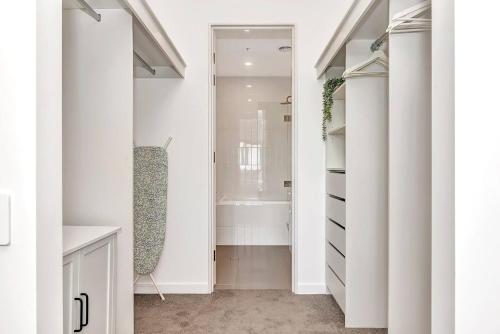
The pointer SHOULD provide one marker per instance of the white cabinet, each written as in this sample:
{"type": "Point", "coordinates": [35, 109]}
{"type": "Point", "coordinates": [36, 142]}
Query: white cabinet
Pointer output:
{"type": "Point", "coordinates": [70, 289]}
{"type": "Point", "coordinates": [356, 245]}
{"type": "Point", "coordinates": [89, 277]}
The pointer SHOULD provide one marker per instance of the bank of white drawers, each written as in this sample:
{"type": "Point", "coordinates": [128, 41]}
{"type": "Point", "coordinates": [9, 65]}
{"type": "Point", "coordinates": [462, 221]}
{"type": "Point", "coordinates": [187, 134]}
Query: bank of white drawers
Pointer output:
{"type": "Point", "coordinates": [336, 261]}
{"type": "Point", "coordinates": [335, 235]}
{"type": "Point", "coordinates": [335, 184]}
{"type": "Point", "coordinates": [336, 287]}
{"type": "Point", "coordinates": [335, 210]}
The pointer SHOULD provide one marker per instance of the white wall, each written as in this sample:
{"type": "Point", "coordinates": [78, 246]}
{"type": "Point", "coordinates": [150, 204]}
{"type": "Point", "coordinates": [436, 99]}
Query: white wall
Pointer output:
{"type": "Point", "coordinates": [180, 108]}
{"type": "Point", "coordinates": [49, 168]}
{"type": "Point", "coordinates": [18, 98]}
{"type": "Point", "coordinates": [443, 191]}
{"type": "Point", "coordinates": [477, 166]}
{"type": "Point", "coordinates": [97, 135]}
{"type": "Point", "coordinates": [30, 172]}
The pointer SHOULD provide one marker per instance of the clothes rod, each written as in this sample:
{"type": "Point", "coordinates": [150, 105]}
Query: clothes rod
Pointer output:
{"type": "Point", "coordinates": [89, 10]}
{"type": "Point", "coordinates": [379, 42]}
{"type": "Point", "coordinates": [145, 64]}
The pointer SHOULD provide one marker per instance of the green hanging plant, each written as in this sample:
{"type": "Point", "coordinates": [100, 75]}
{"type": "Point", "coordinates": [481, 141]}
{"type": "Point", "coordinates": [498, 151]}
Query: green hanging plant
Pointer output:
{"type": "Point", "coordinates": [328, 88]}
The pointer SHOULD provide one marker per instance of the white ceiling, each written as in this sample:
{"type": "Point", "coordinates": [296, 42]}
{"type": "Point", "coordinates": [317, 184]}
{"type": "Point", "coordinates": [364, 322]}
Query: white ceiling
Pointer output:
{"type": "Point", "coordinates": [253, 33]}
{"type": "Point", "coordinates": [263, 53]}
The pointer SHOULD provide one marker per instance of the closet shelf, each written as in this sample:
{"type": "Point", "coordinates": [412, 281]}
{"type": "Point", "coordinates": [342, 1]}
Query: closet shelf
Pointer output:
{"type": "Point", "coordinates": [365, 19]}
{"type": "Point", "coordinates": [151, 42]}
{"type": "Point", "coordinates": [338, 130]}
{"type": "Point", "coordinates": [339, 93]}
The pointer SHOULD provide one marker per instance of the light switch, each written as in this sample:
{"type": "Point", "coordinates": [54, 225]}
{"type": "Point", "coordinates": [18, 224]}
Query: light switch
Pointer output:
{"type": "Point", "coordinates": [4, 219]}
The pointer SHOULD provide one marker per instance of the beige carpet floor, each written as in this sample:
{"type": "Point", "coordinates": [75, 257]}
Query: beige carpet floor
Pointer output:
{"type": "Point", "coordinates": [241, 311]}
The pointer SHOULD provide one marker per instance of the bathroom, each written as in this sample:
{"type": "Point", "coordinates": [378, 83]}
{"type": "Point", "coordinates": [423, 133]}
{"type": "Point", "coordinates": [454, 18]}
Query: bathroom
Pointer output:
{"type": "Point", "coordinates": [253, 157]}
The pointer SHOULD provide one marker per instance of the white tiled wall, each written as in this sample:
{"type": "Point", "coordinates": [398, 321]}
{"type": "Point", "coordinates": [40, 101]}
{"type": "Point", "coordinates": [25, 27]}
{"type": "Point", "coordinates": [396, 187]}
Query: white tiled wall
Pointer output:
{"type": "Point", "coordinates": [253, 141]}
{"type": "Point", "coordinates": [258, 223]}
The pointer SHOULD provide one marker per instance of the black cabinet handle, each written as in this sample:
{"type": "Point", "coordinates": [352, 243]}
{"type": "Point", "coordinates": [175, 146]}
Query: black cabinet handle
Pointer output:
{"type": "Point", "coordinates": [86, 309]}
{"type": "Point", "coordinates": [81, 315]}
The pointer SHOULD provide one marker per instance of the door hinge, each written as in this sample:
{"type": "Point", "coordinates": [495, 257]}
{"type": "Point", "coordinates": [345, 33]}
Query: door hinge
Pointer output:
{"type": "Point", "coordinates": [214, 157]}
{"type": "Point", "coordinates": [214, 79]}
{"type": "Point", "coordinates": [214, 57]}
{"type": "Point", "coordinates": [214, 255]}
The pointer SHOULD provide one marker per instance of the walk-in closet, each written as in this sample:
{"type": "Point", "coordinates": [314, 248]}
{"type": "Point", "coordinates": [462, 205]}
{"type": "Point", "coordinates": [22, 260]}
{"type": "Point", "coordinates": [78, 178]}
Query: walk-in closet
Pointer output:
{"type": "Point", "coordinates": [106, 44]}
{"type": "Point", "coordinates": [311, 171]}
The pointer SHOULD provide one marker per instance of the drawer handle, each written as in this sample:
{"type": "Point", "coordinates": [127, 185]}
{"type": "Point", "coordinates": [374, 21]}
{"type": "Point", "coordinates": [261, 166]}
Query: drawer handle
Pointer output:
{"type": "Point", "coordinates": [342, 254]}
{"type": "Point", "coordinates": [334, 222]}
{"type": "Point", "coordinates": [86, 309]}
{"type": "Point", "coordinates": [80, 301]}
{"type": "Point", "coordinates": [336, 197]}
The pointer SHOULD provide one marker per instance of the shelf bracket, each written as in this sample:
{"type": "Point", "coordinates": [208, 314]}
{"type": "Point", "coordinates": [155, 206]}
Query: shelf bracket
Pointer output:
{"type": "Point", "coordinates": [89, 10]}
{"type": "Point", "coordinates": [145, 64]}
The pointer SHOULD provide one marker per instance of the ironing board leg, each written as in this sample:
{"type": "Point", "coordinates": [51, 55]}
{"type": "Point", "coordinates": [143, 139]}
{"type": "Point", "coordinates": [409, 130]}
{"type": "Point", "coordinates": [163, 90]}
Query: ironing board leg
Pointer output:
{"type": "Point", "coordinates": [136, 279]}
{"type": "Point", "coordinates": [156, 286]}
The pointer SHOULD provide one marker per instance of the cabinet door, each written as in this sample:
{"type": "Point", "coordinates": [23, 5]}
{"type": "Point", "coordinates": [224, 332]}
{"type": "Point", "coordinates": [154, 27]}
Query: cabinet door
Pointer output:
{"type": "Point", "coordinates": [70, 291]}
{"type": "Point", "coordinates": [96, 279]}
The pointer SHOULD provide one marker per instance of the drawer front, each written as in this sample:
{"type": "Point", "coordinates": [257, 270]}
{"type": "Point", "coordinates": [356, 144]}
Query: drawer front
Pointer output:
{"type": "Point", "coordinates": [336, 288]}
{"type": "Point", "coordinates": [335, 235]}
{"type": "Point", "coordinates": [336, 261]}
{"type": "Point", "coordinates": [335, 184]}
{"type": "Point", "coordinates": [335, 210]}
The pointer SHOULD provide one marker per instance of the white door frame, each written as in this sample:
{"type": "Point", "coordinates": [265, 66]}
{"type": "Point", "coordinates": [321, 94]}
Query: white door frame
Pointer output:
{"type": "Point", "coordinates": [212, 150]}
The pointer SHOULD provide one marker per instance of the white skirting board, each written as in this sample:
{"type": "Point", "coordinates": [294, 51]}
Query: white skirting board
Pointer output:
{"type": "Point", "coordinates": [203, 288]}
{"type": "Point", "coordinates": [174, 288]}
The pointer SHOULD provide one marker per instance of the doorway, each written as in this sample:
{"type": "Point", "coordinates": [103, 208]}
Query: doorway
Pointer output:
{"type": "Point", "coordinates": [252, 158]}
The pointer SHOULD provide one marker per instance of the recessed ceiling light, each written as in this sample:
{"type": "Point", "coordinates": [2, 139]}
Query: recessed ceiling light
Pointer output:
{"type": "Point", "coordinates": [247, 63]}
{"type": "Point", "coordinates": [246, 30]}
{"type": "Point", "coordinates": [249, 100]}
{"type": "Point", "coordinates": [249, 86]}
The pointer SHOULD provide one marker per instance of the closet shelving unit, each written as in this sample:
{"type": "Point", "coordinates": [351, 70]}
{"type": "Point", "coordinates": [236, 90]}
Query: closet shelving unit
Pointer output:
{"type": "Point", "coordinates": [155, 55]}
{"type": "Point", "coordinates": [102, 52]}
{"type": "Point", "coordinates": [356, 228]}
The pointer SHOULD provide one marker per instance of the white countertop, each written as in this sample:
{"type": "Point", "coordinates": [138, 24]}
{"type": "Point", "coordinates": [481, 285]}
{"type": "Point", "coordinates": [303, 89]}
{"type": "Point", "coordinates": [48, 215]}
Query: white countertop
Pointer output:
{"type": "Point", "coordinates": [77, 237]}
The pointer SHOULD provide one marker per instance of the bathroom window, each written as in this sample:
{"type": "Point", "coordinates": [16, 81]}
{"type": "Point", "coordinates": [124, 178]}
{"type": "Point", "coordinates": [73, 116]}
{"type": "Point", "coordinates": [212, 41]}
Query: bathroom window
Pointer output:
{"type": "Point", "coordinates": [250, 156]}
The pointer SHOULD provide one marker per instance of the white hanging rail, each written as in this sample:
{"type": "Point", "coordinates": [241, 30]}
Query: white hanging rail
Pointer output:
{"type": "Point", "coordinates": [89, 10]}
{"type": "Point", "coordinates": [411, 19]}
{"type": "Point", "coordinates": [155, 32]}
{"type": "Point", "coordinates": [358, 70]}
{"type": "Point", "coordinates": [144, 64]}
{"type": "Point", "coordinates": [379, 42]}
{"type": "Point", "coordinates": [150, 38]}
{"type": "Point", "coordinates": [354, 17]}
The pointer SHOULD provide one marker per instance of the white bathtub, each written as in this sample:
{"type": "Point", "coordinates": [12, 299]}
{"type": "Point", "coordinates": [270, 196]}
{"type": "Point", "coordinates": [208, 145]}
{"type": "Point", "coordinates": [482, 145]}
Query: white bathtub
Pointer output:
{"type": "Point", "coordinates": [253, 222]}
